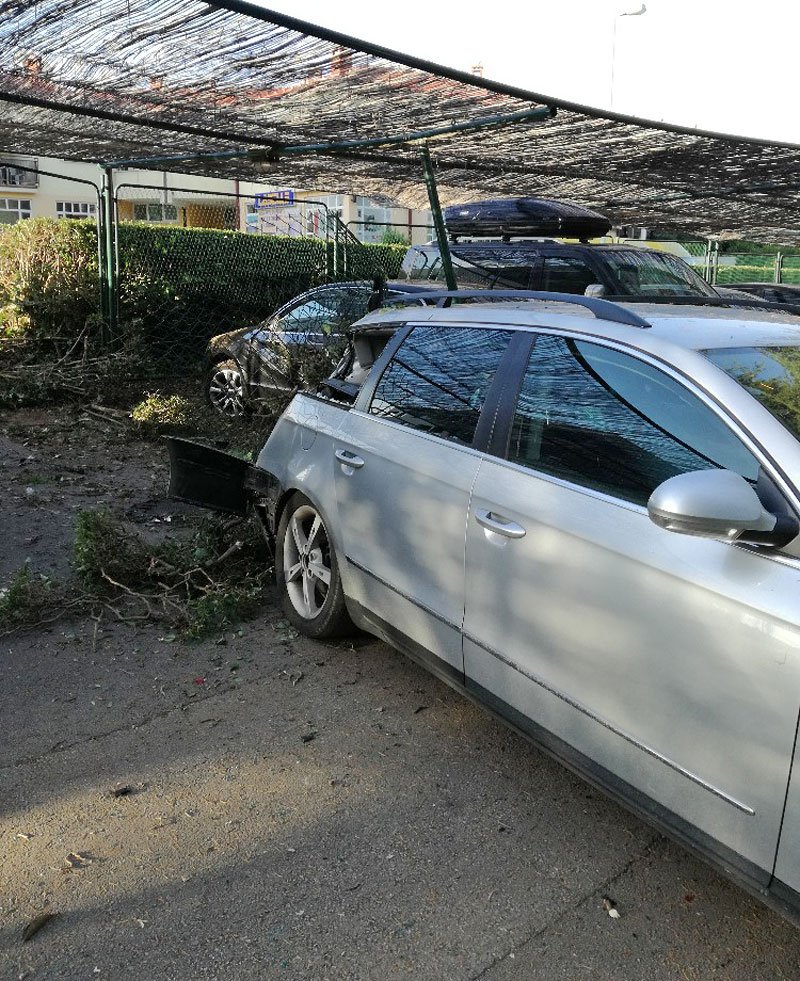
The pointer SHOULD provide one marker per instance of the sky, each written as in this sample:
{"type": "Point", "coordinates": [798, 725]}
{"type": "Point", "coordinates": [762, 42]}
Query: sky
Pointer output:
{"type": "Point", "coordinates": [722, 65]}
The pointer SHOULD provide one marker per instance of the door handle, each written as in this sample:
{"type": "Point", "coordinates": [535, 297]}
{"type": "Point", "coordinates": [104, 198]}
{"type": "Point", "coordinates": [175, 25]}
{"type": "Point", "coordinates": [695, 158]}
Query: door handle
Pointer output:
{"type": "Point", "coordinates": [349, 459]}
{"type": "Point", "coordinates": [498, 524]}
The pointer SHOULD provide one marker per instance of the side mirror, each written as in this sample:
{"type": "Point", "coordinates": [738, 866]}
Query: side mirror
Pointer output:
{"type": "Point", "coordinates": [596, 290]}
{"type": "Point", "coordinates": [716, 504]}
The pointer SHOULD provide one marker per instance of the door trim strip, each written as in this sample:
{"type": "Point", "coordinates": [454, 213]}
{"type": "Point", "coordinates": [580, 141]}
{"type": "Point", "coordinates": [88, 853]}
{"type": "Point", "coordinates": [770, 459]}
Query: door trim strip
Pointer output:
{"type": "Point", "coordinates": [580, 707]}
{"type": "Point", "coordinates": [405, 596]}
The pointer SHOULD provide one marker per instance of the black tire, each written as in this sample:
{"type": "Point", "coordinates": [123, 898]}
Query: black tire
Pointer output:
{"type": "Point", "coordinates": [314, 607]}
{"type": "Point", "coordinates": [226, 387]}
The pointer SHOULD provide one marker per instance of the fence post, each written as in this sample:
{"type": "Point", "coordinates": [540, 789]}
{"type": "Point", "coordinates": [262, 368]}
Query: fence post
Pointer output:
{"type": "Point", "coordinates": [779, 267]}
{"type": "Point", "coordinates": [713, 263]}
{"type": "Point", "coordinates": [707, 262]}
{"type": "Point", "coordinates": [438, 219]}
{"type": "Point", "coordinates": [110, 258]}
{"type": "Point", "coordinates": [100, 222]}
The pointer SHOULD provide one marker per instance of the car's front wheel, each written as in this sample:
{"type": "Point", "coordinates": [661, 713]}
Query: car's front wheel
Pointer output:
{"type": "Point", "coordinates": [225, 388]}
{"type": "Point", "coordinates": [307, 573]}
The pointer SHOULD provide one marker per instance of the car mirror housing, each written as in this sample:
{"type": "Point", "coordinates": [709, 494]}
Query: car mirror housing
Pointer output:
{"type": "Point", "coordinates": [717, 504]}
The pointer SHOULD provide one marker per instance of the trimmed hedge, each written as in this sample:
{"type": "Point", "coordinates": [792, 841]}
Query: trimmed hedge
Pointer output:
{"type": "Point", "coordinates": [177, 286]}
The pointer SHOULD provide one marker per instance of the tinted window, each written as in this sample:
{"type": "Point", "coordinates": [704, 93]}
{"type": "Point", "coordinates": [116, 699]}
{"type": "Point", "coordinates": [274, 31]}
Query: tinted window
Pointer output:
{"type": "Point", "coordinates": [561, 274]}
{"type": "Point", "coordinates": [475, 267]}
{"type": "Point", "coordinates": [328, 312]}
{"type": "Point", "coordinates": [438, 379]}
{"type": "Point", "coordinates": [605, 420]}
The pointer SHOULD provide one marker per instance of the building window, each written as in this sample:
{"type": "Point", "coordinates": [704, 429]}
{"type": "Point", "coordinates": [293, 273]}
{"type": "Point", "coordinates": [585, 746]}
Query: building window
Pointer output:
{"type": "Point", "coordinates": [13, 210]}
{"type": "Point", "coordinates": [20, 173]}
{"type": "Point", "coordinates": [155, 212]}
{"type": "Point", "coordinates": [372, 220]}
{"type": "Point", "coordinates": [75, 209]}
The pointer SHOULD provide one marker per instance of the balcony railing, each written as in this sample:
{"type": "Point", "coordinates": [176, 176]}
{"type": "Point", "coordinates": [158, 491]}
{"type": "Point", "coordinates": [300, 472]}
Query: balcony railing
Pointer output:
{"type": "Point", "coordinates": [19, 172]}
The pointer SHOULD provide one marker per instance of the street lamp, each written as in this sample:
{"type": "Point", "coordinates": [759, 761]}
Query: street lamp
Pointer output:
{"type": "Point", "coordinates": [633, 12]}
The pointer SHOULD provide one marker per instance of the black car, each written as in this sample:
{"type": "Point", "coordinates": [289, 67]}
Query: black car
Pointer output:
{"type": "Point", "coordinates": [296, 347]}
{"type": "Point", "coordinates": [774, 292]}
{"type": "Point", "coordinates": [619, 272]}
{"type": "Point", "coordinates": [496, 255]}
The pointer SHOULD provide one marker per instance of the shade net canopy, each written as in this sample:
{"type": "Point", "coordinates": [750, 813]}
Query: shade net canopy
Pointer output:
{"type": "Point", "coordinates": [122, 80]}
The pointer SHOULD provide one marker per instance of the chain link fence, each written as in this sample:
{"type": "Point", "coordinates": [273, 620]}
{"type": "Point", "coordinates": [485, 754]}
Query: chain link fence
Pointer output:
{"type": "Point", "coordinates": [189, 306]}
{"type": "Point", "coordinates": [212, 300]}
{"type": "Point", "coordinates": [732, 268]}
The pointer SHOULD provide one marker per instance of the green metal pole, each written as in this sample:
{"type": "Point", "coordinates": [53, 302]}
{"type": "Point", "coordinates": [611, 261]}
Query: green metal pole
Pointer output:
{"type": "Point", "coordinates": [101, 263]}
{"type": "Point", "coordinates": [110, 251]}
{"type": "Point", "coordinates": [438, 219]}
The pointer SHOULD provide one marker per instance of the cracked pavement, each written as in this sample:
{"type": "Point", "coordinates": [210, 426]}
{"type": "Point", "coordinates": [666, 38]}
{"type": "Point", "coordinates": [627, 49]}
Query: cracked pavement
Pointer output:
{"type": "Point", "coordinates": [319, 811]}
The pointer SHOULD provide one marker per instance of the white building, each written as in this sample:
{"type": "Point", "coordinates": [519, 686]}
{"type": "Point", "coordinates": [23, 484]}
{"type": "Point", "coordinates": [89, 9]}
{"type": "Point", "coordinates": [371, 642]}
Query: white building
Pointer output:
{"type": "Point", "coordinates": [33, 187]}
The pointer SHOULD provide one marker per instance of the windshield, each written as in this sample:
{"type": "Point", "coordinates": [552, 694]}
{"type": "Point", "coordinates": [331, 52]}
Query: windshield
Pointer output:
{"type": "Point", "coordinates": [772, 374]}
{"type": "Point", "coordinates": [640, 273]}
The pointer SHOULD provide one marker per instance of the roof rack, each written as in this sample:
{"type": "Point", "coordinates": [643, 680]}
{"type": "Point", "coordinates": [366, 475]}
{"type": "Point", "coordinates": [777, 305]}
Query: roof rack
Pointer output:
{"type": "Point", "coordinates": [602, 309]}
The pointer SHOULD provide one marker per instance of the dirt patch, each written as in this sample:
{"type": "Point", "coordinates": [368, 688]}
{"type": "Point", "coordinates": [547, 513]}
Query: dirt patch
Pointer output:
{"type": "Point", "coordinates": [56, 463]}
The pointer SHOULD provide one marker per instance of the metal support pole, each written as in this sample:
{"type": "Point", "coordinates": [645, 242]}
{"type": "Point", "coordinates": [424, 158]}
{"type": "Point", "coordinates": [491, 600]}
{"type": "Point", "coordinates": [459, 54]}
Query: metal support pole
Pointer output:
{"type": "Point", "coordinates": [438, 219]}
{"type": "Point", "coordinates": [274, 151]}
{"type": "Point", "coordinates": [110, 252]}
{"type": "Point", "coordinates": [779, 267]}
{"type": "Point", "coordinates": [102, 272]}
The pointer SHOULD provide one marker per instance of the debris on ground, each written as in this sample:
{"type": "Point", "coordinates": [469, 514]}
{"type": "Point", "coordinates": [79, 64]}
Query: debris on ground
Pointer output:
{"type": "Point", "coordinates": [76, 861]}
{"type": "Point", "coordinates": [36, 925]}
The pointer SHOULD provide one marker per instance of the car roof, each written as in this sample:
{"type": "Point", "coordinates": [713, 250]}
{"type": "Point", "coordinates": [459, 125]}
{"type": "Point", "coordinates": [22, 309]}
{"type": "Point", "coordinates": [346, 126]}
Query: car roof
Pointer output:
{"type": "Point", "coordinates": [535, 244]}
{"type": "Point", "coordinates": [697, 328]}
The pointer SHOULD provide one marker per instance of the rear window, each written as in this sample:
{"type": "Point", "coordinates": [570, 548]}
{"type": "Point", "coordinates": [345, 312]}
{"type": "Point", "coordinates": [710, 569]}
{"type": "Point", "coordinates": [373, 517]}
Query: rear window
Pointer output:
{"type": "Point", "coordinates": [474, 267]}
{"type": "Point", "coordinates": [771, 374]}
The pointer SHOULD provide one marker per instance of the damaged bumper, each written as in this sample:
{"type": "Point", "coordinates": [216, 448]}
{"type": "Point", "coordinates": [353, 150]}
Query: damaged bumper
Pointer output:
{"type": "Point", "coordinates": [211, 478]}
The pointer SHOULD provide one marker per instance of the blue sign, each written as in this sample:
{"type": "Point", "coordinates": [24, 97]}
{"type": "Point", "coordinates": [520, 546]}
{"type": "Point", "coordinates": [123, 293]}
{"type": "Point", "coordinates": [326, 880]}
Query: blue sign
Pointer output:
{"type": "Point", "coordinates": [274, 199]}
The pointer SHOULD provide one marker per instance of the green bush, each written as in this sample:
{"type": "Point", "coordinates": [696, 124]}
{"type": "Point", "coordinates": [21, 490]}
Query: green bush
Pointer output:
{"type": "Point", "coordinates": [25, 599]}
{"type": "Point", "coordinates": [181, 286]}
{"type": "Point", "coordinates": [49, 286]}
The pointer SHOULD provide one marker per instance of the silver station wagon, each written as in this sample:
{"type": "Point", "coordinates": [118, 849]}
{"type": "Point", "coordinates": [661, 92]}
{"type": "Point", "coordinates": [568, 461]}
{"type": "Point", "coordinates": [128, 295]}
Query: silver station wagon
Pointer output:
{"type": "Point", "coordinates": [582, 515]}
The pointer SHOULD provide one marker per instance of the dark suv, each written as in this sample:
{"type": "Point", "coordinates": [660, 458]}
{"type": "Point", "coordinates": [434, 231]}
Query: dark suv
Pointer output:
{"type": "Point", "coordinates": [612, 271]}
{"type": "Point", "coordinates": [506, 244]}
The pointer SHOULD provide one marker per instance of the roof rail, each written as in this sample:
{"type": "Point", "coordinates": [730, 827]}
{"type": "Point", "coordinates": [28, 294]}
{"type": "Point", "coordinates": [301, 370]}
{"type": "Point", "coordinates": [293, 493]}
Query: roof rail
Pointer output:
{"type": "Point", "coordinates": [602, 309]}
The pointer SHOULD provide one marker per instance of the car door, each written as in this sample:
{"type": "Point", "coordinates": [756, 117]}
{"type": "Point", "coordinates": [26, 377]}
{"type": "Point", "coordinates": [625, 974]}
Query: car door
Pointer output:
{"type": "Point", "coordinates": [663, 664]}
{"type": "Point", "coordinates": [405, 465]}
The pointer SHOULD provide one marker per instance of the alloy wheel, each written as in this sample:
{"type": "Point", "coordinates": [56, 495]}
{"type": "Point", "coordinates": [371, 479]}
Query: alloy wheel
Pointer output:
{"type": "Point", "coordinates": [307, 562]}
{"type": "Point", "coordinates": [226, 390]}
